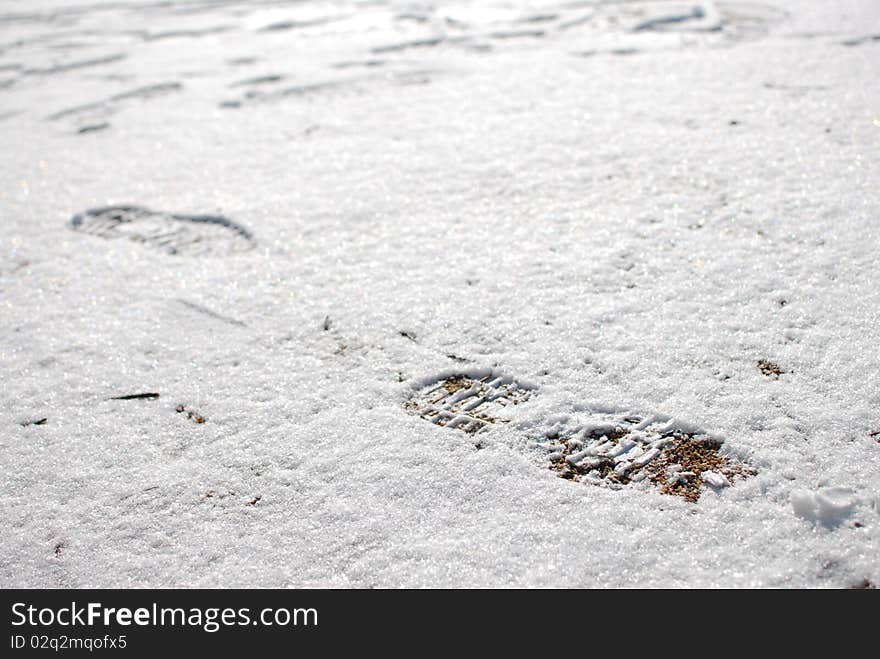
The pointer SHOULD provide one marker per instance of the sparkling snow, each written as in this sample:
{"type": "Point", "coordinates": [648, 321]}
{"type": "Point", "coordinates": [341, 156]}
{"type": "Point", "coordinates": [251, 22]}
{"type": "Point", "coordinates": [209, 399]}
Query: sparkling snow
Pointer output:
{"type": "Point", "coordinates": [627, 205]}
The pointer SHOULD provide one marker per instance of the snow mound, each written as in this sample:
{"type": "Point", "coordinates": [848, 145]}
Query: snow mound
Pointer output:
{"type": "Point", "coordinates": [830, 506]}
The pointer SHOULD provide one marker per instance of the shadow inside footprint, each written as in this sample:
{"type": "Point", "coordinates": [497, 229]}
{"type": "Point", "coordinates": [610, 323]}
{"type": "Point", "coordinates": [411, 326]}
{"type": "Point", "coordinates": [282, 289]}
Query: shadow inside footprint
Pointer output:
{"type": "Point", "coordinates": [203, 235]}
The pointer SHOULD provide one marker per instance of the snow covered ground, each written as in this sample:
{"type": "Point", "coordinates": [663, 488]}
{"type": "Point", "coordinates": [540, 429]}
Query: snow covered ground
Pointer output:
{"type": "Point", "coordinates": [625, 207]}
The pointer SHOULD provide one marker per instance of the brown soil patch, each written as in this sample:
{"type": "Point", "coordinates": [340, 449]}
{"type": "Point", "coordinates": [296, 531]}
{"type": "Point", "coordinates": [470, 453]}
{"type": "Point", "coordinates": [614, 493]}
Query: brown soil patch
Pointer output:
{"type": "Point", "coordinates": [769, 369]}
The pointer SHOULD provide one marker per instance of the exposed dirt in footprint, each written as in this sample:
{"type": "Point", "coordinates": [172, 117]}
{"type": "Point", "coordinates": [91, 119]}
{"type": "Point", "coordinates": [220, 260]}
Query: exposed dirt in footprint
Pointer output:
{"type": "Point", "coordinates": [615, 450]}
{"type": "Point", "coordinates": [203, 235]}
{"type": "Point", "coordinates": [686, 464]}
{"type": "Point", "coordinates": [469, 401]}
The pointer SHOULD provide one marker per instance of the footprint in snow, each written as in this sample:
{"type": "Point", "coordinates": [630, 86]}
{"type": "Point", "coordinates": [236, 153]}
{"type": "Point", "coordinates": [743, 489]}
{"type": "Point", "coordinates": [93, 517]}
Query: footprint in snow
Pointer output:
{"type": "Point", "coordinates": [191, 235]}
{"type": "Point", "coordinates": [468, 400]}
{"type": "Point", "coordinates": [600, 447]}
{"type": "Point", "coordinates": [619, 448]}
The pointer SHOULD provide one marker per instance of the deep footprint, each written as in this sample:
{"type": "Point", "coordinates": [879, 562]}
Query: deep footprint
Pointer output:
{"type": "Point", "coordinates": [191, 235]}
{"type": "Point", "coordinates": [618, 449]}
{"type": "Point", "coordinates": [469, 400]}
